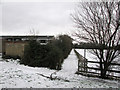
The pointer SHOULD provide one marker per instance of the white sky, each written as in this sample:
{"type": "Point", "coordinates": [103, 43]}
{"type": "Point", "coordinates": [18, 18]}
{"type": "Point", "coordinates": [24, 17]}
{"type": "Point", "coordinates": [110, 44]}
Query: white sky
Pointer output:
{"type": "Point", "coordinates": [47, 18]}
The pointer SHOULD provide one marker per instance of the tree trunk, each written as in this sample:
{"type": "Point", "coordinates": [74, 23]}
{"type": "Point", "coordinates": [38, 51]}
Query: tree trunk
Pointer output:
{"type": "Point", "coordinates": [103, 73]}
{"type": "Point", "coordinates": [103, 70]}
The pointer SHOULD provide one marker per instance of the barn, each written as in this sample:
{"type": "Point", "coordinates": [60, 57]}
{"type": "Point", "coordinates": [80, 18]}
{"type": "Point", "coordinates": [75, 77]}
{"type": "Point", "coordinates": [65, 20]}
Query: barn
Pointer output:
{"type": "Point", "coordinates": [14, 45]}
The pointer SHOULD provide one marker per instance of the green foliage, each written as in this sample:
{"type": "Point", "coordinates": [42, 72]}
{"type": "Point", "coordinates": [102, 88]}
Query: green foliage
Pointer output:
{"type": "Point", "coordinates": [54, 56]}
{"type": "Point", "coordinates": [31, 53]}
{"type": "Point", "coordinates": [50, 55]}
{"type": "Point", "coordinates": [64, 42]}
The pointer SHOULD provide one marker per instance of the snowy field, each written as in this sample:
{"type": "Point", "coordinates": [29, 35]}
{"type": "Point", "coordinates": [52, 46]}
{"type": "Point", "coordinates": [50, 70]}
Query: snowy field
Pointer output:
{"type": "Point", "coordinates": [14, 75]}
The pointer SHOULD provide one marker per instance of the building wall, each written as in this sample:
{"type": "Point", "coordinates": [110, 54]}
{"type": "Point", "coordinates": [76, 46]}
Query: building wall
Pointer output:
{"type": "Point", "coordinates": [0, 45]}
{"type": "Point", "coordinates": [3, 46]}
{"type": "Point", "coordinates": [14, 45]}
{"type": "Point", "coordinates": [15, 49]}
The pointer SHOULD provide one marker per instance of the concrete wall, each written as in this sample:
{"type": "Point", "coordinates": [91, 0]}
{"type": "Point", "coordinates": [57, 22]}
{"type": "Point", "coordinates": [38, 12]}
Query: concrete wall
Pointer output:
{"type": "Point", "coordinates": [15, 49]}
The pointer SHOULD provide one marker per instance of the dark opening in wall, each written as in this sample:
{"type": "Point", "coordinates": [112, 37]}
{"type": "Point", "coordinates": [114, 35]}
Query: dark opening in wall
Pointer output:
{"type": "Point", "coordinates": [42, 41]}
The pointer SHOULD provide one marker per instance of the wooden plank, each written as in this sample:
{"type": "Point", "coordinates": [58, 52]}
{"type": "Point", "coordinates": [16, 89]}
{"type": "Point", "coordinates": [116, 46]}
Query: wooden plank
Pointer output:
{"type": "Point", "coordinates": [114, 71]}
{"type": "Point", "coordinates": [89, 72]}
{"type": "Point", "coordinates": [107, 70]}
{"type": "Point", "coordinates": [85, 46]}
{"type": "Point", "coordinates": [99, 69]}
{"type": "Point", "coordinates": [99, 62]}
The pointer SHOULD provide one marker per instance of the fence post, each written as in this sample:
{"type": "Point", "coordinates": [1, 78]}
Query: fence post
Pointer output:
{"type": "Point", "coordinates": [85, 62]}
{"type": "Point", "coordinates": [78, 65]}
{"type": "Point", "coordinates": [84, 53]}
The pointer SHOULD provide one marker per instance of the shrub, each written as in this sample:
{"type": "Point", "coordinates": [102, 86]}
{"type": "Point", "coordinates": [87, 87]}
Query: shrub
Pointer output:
{"type": "Point", "coordinates": [50, 55]}
{"type": "Point", "coordinates": [64, 42]}
{"type": "Point", "coordinates": [54, 56]}
{"type": "Point", "coordinates": [37, 55]}
{"type": "Point", "coordinates": [31, 53]}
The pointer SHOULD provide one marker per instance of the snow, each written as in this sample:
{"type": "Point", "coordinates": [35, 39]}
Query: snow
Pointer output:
{"type": "Point", "coordinates": [14, 75]}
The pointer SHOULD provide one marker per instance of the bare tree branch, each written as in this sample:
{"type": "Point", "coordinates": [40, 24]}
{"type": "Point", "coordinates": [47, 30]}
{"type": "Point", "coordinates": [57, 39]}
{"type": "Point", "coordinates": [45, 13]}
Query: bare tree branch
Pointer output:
{"type": "Point", "coordinates": [99, 23]}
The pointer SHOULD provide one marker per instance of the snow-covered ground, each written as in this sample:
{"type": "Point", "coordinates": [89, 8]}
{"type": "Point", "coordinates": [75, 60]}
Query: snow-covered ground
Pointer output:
{"type": "Point", "coordinates": [14, 75]}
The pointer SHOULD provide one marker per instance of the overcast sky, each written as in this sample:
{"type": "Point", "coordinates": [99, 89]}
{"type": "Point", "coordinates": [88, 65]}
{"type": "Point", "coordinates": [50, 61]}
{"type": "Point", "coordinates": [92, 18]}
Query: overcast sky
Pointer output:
{"type": "Point", "coordinates": [46, 18]}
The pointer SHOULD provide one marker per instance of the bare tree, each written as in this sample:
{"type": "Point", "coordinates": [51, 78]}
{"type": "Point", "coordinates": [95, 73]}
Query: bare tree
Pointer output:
{"type": "Point", "coordinates": [99, 23]}
{"type": "Point", "coordinates": [33, 32]}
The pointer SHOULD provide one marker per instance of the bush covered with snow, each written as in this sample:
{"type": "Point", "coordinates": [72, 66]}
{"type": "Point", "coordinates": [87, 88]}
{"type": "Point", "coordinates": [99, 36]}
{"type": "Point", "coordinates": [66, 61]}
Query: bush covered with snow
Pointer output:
{"type": "Point", "coordinates": [51, 55]}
